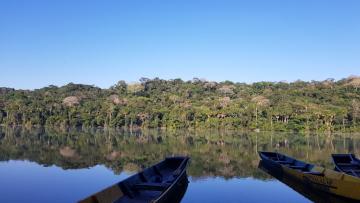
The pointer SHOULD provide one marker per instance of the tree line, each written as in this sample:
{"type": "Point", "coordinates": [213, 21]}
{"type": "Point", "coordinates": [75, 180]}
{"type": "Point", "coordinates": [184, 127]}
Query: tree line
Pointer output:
{"type": "Point", "coordinates": [327, 105]}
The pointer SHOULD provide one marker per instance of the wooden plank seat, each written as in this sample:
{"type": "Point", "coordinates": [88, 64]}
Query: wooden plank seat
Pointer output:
{"type": "Point", "coordinates": [355, 170]}
{"type": "Point", "coordinates": [352, 172]}
{"type": "Point", "coordinates": [347, 164]}
{"type": "Point", "coordinates": [298, 167]}
{"type": "Point", "coordinates": [275, 158]}
{"type": "Point", "coordinates": [285, 162]}
{"type": "Point", "coordinates": [314, 173]}
{"type": "Point", "coordinates": [151, 186]}
{"type": "Point", "coordinates": [155, 178]}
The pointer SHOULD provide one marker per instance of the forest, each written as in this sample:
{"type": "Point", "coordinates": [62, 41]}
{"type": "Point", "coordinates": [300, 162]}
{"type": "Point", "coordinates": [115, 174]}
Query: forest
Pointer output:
{"type": "Point", "coordinates": [329, 105]}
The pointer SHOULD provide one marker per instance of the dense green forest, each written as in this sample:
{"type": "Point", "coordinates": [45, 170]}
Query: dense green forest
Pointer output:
{"type": "Point", "coordinates": [156, 103]}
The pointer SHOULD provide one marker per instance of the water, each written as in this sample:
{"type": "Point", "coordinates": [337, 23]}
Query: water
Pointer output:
{"type": "Point", "coordinates": [53, 166]}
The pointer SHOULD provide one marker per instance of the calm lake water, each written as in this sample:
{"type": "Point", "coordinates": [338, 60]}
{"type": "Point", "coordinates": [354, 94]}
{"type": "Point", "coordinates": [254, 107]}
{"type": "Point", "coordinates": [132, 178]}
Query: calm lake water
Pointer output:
{"type": "Point", "coordinates": [51, 166]}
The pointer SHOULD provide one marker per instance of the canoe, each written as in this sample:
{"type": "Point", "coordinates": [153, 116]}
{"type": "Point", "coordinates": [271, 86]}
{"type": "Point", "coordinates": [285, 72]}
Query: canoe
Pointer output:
{"type": "Point", "coordinates": [347, 163]}
{"type": "Point", "coordinates": [162, 182]}
{"type": "Point", "coordinates": [302, 188]}
{"type": "Point", "coordinates": [316, 177]}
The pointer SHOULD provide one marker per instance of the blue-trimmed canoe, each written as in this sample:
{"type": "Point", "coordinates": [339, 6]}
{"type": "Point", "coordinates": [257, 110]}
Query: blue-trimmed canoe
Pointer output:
{"type": "Point", "coordinates": [347, 163]}
{"type": "Point", "coordinates": [303, 188]}
{"type": "Point", "coordinates": [163, 182]}
{"type": "Point", "coordinates": [316, 177]}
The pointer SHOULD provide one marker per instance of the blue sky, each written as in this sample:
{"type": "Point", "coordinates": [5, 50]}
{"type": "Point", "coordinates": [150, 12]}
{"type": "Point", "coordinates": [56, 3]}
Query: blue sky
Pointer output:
{"type": "Point", "coordinates": [100, 42]}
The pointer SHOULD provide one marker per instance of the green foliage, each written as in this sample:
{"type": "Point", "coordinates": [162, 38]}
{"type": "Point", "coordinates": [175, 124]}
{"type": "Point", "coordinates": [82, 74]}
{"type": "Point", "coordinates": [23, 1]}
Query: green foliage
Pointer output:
{"type": "Point", "coordinates": [155, 103]}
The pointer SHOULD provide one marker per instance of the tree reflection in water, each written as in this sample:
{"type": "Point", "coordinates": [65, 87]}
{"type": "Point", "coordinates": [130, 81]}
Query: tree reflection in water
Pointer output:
{"type": "Point", "coordinates": [226, 154]}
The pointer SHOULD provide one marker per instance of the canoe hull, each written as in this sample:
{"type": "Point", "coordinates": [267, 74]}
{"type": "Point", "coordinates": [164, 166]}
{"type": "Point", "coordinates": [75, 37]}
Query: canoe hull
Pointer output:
{"type": "Point", "coordinates": [303, 188]}
{"type": "Point", "coordinates": [176, 192]}
{"type": "Point", "coordinates": [319, 178]}
{"type": "Point", "coordinates": [164, 182]}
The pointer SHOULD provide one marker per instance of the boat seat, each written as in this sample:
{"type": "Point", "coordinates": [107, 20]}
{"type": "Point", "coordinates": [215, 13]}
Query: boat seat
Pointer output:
{"type": "Point", "coordinates": [274, 158]}
{"type": "Point", "coordinates": [285, 162]}
{"type": "Point", "coordinates": [314, 173]}
{"type": "Point", "coordinates": [151, 186]}
{"type": "Point", "coordinates": [157, 179]}
{"type": "Point", "coordinates": [355, 170]}
{"type": "Point", "coordinates": [298, 167]}
{"type": "Point", "coordinates": [352, 172]}
{"type": "Point", "coordinates": [347, 164]}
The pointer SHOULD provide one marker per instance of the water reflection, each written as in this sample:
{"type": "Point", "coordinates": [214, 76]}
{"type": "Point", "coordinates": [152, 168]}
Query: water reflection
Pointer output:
{"type": "Point", "coordinates": [230, 156]}
{"type": "Point", "coordinates": [227, 155]}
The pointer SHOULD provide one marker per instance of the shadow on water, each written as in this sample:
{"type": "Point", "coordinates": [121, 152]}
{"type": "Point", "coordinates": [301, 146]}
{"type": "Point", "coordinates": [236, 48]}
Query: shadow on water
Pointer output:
{"type": "Point", "coordinates": [214, 154]}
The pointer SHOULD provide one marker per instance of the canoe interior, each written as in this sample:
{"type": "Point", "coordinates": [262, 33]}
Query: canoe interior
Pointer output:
{"type": "Point", "coordinates": [302, 188]}
{"type": "Point", "coordinates": [150, 185]}
{"type": "Point", "coordinates": [287, 161]}
{"type": "Point", "coordinates": [347, 163]}
{"type": "Point", "coordinates": [314, 177]}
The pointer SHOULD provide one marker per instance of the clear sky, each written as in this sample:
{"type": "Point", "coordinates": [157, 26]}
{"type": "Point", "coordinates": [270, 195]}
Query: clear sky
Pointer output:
{"type": "Point", "coordinates": [46, 42]}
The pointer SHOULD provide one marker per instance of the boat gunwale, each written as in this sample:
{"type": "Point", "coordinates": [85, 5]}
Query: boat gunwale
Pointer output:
{"type": "Point", "coordinates": [163, 192]}
{"type": "Point", "coordinates": [330, 174]}
{"type": "Point", "coordinates": [176, 181]}
{"type": "Point", "coordinates": [263, 155]}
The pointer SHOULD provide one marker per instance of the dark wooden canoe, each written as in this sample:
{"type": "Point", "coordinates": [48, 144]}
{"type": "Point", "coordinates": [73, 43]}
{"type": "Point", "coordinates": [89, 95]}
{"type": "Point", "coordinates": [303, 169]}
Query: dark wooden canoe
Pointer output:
{"type": "Point", "coordinates": [316, 177]}
{"type": "Point", "coordinates": [303, 188]}
{"type": "Point", "coordinates": [163, 182]}
{"type": "Point", "coordinates": [278, 160]}
{"type": "Point", "coordinates": [347, 163]}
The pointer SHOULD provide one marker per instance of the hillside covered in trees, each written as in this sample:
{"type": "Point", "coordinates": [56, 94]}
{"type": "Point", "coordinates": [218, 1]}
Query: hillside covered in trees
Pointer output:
{"type": "Point", "coordinates": [155, 103]}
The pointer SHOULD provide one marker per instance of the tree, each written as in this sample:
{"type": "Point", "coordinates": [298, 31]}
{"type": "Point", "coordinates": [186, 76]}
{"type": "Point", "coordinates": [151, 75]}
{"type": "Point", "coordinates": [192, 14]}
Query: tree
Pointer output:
{"type": "Point", "coordinates": [299, 106]}
{"type": "Point", "coordinates": [260, 101]}
{"type": "Point", "coordinates": [120, 87]}
{"type": "Point", "coordinates": [355, 110]}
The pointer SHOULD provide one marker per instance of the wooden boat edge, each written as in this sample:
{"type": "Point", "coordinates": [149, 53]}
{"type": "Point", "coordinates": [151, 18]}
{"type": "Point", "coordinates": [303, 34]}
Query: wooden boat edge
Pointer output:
{"type": "Point", "coordinates": [93, 198]}
{"type": "Point", "coordinates": [176, 181]}
{"type": "Point", "coordinates": [312, 179]}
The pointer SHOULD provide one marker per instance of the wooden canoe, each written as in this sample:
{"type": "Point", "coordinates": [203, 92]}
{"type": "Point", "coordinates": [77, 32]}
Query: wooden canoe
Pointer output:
{"type": "Point", "coordinates": [163, 182]}
{"type": "Point", "coordinates": [303, 188]}
{"type": "Point", "coordinates": [347, 163]}
{"type": "Point", "coordinates": [316, 177]}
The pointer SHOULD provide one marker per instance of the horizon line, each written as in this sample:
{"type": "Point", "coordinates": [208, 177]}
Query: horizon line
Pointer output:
{"type": "Point", "coordinates": [351, 76]}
